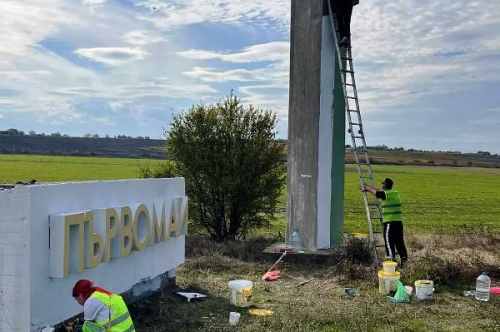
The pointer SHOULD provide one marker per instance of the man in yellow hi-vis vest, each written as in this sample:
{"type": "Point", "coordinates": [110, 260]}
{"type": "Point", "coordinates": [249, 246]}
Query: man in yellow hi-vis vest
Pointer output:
{"type": "Point", "coordinates": [392, 219]}
{"type": "Point", "coordinates": [103, 311]}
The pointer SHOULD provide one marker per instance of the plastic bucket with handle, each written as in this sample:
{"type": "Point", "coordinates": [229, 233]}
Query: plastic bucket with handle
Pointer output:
{"type": "Point", "coordinates": [424, 289]}
{"type": "Point", "coordinates": [387, 281]}
{"type": "Point", "coordinates": [240, 292]}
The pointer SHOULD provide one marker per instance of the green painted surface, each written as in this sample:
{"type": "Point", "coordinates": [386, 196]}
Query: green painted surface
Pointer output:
{"type": "Point", "coordinates": [338, 158]}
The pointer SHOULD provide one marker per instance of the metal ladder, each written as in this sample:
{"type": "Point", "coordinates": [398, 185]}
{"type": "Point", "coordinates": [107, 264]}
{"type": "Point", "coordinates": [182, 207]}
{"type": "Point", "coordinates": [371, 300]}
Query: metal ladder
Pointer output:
{"type": "Point", "coordinates": [359, 149]}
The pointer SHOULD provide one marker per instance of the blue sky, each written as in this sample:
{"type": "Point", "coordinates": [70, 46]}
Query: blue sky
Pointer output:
{"type": "Point", "coordinates": [427, 73]}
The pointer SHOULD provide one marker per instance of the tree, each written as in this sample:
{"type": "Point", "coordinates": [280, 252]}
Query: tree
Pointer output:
{"type": "Point", "coordinates": [231, 162]}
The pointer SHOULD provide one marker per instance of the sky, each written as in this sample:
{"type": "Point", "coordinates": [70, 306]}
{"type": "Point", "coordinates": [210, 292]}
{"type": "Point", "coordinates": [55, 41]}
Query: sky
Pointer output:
{"type": "Point", "coordinates": [427, 72]}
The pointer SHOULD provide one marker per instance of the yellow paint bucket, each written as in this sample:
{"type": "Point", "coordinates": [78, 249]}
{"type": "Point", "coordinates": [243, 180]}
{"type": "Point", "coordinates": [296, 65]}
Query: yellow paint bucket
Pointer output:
{"type": "Point", "coordinates": [387, 281]}
{"type": "Point", "coordinates": [389, 266]}
{"type": "Point", "coordinates": [240, 292]}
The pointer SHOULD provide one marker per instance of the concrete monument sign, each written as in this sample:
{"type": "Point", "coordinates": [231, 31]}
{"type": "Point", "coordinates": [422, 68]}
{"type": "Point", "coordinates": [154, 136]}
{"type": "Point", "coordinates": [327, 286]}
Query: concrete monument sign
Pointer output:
{"type": "Point", "coordinates": [125, 235]}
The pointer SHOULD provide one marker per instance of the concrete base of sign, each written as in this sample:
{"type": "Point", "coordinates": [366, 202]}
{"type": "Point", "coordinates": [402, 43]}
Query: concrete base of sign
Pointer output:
{"type": "Point", "coordinates": [127, 236]}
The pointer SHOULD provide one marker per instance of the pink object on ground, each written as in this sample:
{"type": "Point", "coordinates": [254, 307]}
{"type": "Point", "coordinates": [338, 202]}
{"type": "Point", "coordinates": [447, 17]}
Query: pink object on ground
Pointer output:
{"type": "Point", "coordinates": [271, 275]}
{"type": "Point", "coordinates": [495, 290]}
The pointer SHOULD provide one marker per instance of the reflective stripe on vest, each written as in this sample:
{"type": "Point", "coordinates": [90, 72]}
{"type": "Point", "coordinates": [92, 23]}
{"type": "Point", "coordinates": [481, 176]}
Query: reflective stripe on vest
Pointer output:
{"type": "Point", "coordinates": [391, 208]}
{"type": "Point", "coordinates": [120, 320]}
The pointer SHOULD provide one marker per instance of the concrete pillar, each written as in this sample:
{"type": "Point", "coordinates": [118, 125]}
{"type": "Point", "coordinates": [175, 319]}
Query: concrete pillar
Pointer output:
{"type": "Point", "coordinates": [316, 134]}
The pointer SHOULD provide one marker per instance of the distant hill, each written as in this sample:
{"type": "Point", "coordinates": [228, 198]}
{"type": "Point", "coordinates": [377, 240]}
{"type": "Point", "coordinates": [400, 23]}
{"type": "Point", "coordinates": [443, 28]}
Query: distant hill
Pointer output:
{"type": "Point", "coordinates": [128, 147]}
{"type": "Point", "coordinates": [400, 156]}
{"type": "Point", "coordinates": [83, 146]}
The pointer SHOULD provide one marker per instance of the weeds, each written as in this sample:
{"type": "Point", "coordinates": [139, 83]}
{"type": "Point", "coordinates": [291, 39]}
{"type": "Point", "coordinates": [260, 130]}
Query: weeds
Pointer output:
{"type": "Point", "coordinates": [309, 295]}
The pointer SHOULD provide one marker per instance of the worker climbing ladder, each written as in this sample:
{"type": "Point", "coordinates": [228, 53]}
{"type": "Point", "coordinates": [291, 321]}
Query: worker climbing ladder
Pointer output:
{"type": "Point", "coordinates": [359, 149]}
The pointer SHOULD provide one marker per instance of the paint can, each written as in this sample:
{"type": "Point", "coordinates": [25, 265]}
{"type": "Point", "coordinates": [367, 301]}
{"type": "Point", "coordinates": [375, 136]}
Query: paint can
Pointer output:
{"type": "Point", "coordinates": [424, 289]}
{"type": "Point", "coordinates": [387, 281]}
{"type": "Point", "coordinates": [240, 292]}
{"type": "Point", "coordinates": [389, 267]}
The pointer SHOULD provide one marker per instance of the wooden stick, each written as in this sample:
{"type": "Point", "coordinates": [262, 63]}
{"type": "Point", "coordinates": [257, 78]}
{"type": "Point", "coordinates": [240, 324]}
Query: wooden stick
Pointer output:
{"type": "Point", "coordinates": [304, 282]}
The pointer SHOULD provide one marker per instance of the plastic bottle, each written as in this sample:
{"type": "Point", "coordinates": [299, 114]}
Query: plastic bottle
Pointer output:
{"type": "Point", "coordinates": [296, 240]}
{"type": "Point", "coordinates": [483, 283]}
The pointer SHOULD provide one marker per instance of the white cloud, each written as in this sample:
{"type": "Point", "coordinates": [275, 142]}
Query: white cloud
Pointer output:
{"type": "Point", "coordinates": [27, 22]}
{"type": "Point", "coordinates": [213, 75]}
{"type": "Point", "coordinates": [273, 51]}
{"type": "Point", "coordinates": [405, 51]}
{"type": "Point", "coordinates": [9, 102]}
{"type": "Point", "coordinates": [112, 56]}
{"type": "Point", "coordinates": [272, 97]}
{"type": "Point", "coordinates": [141, 37]}
{"type": "Point", "coordinates": [171, 14]}
{"type": "Point", "coordinates": [24, 77]}
{"type": "Point", "coordinates": [121, 95]}
{"type": "Point", "coordinates": [418, 63]}
{"type": "Point", "coordinates": [93, 2]}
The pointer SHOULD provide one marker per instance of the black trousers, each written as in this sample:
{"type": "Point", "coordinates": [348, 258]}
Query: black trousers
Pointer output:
{"type": "Point", "coordinates": [343, 9]}
{"type": "Point", "coordinates": [394, 240]}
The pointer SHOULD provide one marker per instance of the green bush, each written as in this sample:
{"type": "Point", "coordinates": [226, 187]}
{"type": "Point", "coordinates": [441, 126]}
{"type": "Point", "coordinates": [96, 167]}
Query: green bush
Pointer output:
{"type": "Point", "coordinates": [231, 162]}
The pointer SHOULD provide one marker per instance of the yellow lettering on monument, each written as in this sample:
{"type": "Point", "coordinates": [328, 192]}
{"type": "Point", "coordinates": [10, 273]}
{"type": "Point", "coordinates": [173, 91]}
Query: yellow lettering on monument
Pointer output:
{"type": "Point", "coordinates": [183, 215]}
{"type": "Point", "coordinates": [126, 231]}
{"type": "Point", "coordinates": [89, 239]}
{"type": "Point", "coordinates": [73, 220]}
{"type": "Point", "coordinates": [178, 216]}
{"type": "Point", "coordinates": [141, 227]}
{"type": "Point", "coordinates": [96, 243]}
{"type": "Point", "coordinates": [159, 230]}
{"type": "Point", "coordinates": [112, 227]}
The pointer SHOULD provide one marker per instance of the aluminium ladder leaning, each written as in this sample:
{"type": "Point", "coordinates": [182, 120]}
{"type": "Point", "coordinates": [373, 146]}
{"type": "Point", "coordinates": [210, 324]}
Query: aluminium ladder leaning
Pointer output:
{"type": "Point", "coordinates": [359, 149]}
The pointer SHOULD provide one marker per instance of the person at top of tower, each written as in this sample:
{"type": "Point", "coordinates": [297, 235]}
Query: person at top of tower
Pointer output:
{"type": "Point", "coordinates": [391, 219]}
{"type": "Point", "coordinates": [343, 10]}
{"type": "Point", "coordinates": [102, 310]}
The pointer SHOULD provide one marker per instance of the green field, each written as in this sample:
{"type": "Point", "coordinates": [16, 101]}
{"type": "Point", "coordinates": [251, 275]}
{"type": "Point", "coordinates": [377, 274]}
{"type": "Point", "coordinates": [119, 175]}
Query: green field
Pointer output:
{"type": "Point", "coordinates": [57, 168]}
{"type": "Point", "coordinates": [435, 198]}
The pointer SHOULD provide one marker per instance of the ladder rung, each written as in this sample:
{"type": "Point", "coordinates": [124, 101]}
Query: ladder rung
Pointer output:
{"type": "Point", "coordinates": [351, 97]}
{"type": "Point", "coordinates": [350, 110]}
{"type": "Point", "coordinates": [347, 71]}
{"type": "Point", "coordinates": [350, 84]}
{"type": "Point", "coordinates": [346, 58]}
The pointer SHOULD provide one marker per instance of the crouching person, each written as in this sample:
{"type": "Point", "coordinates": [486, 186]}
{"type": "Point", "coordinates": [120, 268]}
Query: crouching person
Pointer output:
{"type": "Point", "coordinates": [103, 311]}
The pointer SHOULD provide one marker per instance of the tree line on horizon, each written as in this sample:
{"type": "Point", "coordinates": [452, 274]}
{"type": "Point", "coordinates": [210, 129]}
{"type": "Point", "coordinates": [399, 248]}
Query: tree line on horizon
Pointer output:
{"type": "Point", "coordinates": [16, 132]}
{"type": "Point", "coordinates": [383, 147]}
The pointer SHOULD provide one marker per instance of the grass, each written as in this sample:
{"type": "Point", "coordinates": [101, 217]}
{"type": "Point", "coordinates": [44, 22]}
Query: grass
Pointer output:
{"type": "Point", "coordinates": [310, 296]}
{"type": "Point", "coordinates": [58, 168]}
{"type": "Point", "coordinates": [436, 200]}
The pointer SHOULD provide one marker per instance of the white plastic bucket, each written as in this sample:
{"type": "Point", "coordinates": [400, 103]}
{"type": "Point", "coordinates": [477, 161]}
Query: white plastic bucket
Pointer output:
{"type": "Point", "coordinates": [408, 290]}
{"type": "Point", "coordinates": [389, 266]}
{"type": "Point", "coordinates": [387, 281]}
{"type": "Point", "coordinates": [240, 292]}
{"type": "Point", "coordinates": [234, 318]}
{"type": "Point", "coordinates": [424, 289]}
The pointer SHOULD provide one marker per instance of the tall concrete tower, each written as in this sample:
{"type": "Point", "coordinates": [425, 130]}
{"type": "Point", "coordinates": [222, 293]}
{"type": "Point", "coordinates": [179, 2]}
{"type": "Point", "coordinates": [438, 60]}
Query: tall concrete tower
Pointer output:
{"type": "Point", "coordinates": [316, 129]}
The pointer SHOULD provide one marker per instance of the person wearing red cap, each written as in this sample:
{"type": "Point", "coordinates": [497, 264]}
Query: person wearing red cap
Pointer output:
{"type": "Point", "coordinates": [391, 219]}
{"type": "Point", "coordinates": [103, 311]}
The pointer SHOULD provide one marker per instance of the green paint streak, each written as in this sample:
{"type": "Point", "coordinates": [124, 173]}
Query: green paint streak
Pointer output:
{"type": "Point", "coordinates": [338, 159]}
